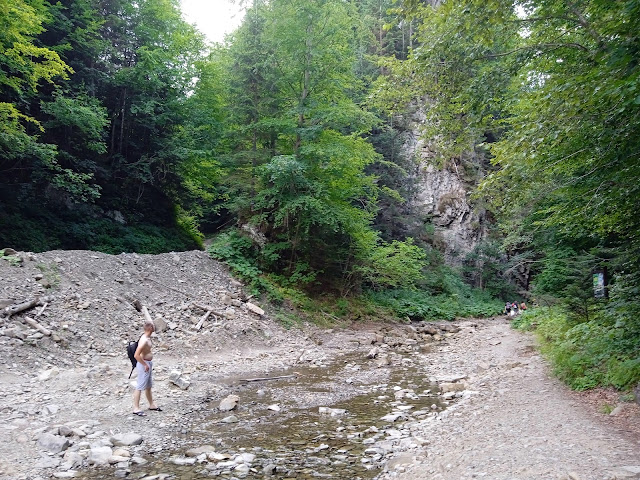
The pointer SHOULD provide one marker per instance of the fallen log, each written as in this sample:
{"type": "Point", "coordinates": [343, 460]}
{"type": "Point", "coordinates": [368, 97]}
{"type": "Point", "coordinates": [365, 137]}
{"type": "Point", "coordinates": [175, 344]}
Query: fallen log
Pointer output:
{"type": "Point", "coordinates": [20, 307]}
{"type": "Point", "coordinates": [263, 379]}
{"type": "Point", "coordinates": [208, 308]}
{"type": "Point", "coordinates": [146, 314]}
{"type": "Point", "coordinates": [204, 317]}
{"type": "Point", "coordinates": [37, 326]}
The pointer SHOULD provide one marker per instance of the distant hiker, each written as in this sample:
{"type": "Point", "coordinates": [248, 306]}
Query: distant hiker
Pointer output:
{"type": "Point", "coordinates": [523, 307]}
{"type": "Point", "coordinates": [144, 368]}
{"type": "Point", "coordinates": [507, 308]}
{"type": "Point", "coordinates": [514, 309]}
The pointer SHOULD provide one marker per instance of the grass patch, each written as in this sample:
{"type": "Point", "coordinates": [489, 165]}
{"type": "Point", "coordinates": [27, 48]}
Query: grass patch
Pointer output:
{"type": "Point", "coordinates": [418, 305]}
{"type": "Point", "coordinates": [50, 273]}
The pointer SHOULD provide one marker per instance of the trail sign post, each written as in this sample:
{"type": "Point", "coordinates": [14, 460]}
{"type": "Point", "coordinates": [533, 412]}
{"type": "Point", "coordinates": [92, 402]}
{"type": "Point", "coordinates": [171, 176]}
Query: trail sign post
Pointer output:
{"type": "Point", "coordinates": [600, 283]}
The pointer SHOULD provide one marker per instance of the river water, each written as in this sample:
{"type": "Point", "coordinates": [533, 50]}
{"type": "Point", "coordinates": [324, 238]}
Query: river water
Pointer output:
{"type": "Point", "coordinates": [322, 421]}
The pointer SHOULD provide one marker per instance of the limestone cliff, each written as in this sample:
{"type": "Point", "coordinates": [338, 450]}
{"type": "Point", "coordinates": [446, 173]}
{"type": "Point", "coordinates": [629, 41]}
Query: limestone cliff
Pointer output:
{"type": "Point", "coordinates": [440, 196]}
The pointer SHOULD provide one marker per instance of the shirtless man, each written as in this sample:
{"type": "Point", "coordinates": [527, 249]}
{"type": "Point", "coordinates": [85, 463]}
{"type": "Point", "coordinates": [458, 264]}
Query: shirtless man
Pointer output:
{"type": "Point", "coordinates": [144, 368]}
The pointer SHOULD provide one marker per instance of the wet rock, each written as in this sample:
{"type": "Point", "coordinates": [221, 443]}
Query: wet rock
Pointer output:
{"type": "Point", "coordinates": [374, 352]}
{"type": "Point", "coordinates": [67, 474]}
{"type": "Point", "coordinates": [206, 449]}
{"type": "Point", "coordinates": [230, 419]}
{"type": "Point", "coordinates": [114, 459]}
{"type": "Point", "coordinates": [269, 469]}
{"type": "Point", "coordinates": [334, 412]}
{"type": "Point", "coordinates": [183, 460]}
{"type": "Point", "coordinates": [394, 417]}
{"type": "Point", "coordinates": [217, 457]}
{"type": "Point", "coordinates": [229, 403]}
{"type": "Point", "coordinates": [274, 407]}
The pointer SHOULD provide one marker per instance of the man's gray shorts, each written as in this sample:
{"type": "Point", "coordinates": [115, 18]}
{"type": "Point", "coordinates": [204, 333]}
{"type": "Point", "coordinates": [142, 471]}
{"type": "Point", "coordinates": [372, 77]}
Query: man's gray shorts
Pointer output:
{"type": "Point", "coordinates": [145, 379]}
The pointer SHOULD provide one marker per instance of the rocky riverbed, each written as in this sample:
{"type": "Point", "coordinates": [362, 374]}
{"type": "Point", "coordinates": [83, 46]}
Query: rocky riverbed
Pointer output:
{"type": "Point", "coordinates": [244, 397]}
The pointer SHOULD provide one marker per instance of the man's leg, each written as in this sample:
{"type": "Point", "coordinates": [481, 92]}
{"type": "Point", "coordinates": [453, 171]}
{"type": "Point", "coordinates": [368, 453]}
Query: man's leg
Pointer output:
{"type": "Point", "coordinates": [149, 396]}
{"type": "Point", "coordinates": [136, 401]}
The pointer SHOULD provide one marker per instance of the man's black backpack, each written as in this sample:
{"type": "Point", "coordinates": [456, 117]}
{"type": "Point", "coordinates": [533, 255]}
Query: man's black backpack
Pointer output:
{"type": "Point", "coordinates": [131, 351]}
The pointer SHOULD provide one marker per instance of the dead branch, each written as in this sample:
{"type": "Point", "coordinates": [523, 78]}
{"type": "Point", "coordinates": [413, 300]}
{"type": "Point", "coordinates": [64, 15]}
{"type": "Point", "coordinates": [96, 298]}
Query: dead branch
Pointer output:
{"type": "Point", "coordinates": [37, 326]}
{"type": "Point", "coordinates": [201, 322]}
{"type": "Point", "coordinates": [20, 307]}
{"type": "Point", "coordinates": [267, 378]}
{"type": "Point", "coordinates": [208, 308]}
{"type": "Point", "coordinates": [42, 309]}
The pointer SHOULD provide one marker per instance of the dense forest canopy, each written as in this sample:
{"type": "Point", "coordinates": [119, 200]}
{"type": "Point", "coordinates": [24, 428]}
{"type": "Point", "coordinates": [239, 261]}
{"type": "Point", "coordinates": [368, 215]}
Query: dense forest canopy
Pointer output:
{"type": "Point", "coordinates": [122, 130]}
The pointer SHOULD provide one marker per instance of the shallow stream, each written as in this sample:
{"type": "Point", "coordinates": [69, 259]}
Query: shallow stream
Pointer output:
{"type": "Point", "coordinates": [321, 421]}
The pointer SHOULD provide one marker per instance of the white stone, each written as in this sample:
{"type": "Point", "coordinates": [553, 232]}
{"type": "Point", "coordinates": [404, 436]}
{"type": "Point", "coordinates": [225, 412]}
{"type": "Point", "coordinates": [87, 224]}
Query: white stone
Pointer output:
{"type": "Point", "coordinates": [229, 403]}
{"type": "Point", "coordinates": [206, 449]}
{"type": "Point", "coordinates": [334, 412]}
{"type": "Point", "coordinates": [126, 439]}
{"type": "Point", "coordinates": [254, 308]}
{"type": "Point", "coordinates": [100, 455]}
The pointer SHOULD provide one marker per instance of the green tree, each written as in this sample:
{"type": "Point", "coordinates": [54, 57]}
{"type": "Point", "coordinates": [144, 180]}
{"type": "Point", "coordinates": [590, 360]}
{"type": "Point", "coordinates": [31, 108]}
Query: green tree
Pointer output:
{"type": "Point", "coordinates": [24, 68]}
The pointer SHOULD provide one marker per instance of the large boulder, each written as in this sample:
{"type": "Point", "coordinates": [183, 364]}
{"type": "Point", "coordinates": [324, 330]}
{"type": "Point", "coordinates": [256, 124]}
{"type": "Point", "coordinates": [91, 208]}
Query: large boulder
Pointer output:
{"type": "Point", "coordinates": [53, 443]}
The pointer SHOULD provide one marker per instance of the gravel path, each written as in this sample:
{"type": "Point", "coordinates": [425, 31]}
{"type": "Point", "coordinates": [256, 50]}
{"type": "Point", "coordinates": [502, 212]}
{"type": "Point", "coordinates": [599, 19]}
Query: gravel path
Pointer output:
{"type": "Point", "coordinates": [518, 422]}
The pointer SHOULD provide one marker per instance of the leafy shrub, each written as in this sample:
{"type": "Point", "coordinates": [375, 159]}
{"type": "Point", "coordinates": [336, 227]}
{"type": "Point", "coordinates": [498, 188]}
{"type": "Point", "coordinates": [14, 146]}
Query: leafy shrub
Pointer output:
{"type": "Point", "coordinates": [587, 354]}
{"type": "Point", "coordinates": [236, 251]}
{"type": "Point", "coordinates": [396, 264]}
{"type": "Point", "coordinates": [422, 305]}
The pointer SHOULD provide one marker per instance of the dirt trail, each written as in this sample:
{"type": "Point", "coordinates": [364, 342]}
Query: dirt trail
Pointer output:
{"type": "Point", "coordinates": [510, 419]}
{"type": "Point", "coordinates": [518, 422]}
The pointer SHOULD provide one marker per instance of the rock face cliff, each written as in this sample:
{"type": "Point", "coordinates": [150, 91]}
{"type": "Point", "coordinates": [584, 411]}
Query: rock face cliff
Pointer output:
{"type": "Point", "coordinates": [440, 198]}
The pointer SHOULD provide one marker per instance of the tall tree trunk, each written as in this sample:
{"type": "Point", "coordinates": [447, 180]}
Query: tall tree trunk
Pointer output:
{"type": "Point", "coordinates": [122, 116]}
